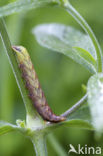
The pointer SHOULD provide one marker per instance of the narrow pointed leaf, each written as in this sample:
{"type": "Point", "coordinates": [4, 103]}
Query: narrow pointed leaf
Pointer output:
{"type": "Point", "coordinates": [6, 127]}
{"type": "Point", "coordinates": [86, 55]}
{"type": "Point", "coordinates": [63, 39]}
{"type": "Point", "coordinates": [95, 100]}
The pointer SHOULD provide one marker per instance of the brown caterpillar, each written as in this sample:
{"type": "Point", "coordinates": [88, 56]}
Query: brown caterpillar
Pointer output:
{"type": "Point", "coordinates": [32, 84]}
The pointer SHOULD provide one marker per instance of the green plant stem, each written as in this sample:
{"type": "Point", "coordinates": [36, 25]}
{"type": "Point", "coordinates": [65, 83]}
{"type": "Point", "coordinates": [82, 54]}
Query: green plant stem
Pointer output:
{"type": "Point", "coordinates": [39, 145]}
{"type": "Point", "coordinates": [14, 65]}
{"type": "Point", "coordinates": [31, 113]}
{"type": "Point", "coordinates": [75, 106]}
{"type": "Point", "coordinates": [88, 30]}
{"type": "Point", "coordinates": [59, 150]}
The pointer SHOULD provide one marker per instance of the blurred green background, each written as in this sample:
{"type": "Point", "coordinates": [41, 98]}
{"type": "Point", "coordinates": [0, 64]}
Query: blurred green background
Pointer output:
{"type": "Point", "coordinates": [60, 77]}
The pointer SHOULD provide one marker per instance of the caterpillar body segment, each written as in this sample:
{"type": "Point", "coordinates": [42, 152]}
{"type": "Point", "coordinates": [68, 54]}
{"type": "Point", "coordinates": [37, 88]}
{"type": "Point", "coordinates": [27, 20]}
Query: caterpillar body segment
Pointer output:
{"type": "Point", "coordinates": [33, 86]}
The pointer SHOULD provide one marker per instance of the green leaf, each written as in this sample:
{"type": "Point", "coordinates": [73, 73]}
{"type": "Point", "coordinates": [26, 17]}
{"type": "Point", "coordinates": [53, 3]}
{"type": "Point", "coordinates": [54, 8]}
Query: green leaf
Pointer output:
{"type": "Point", "coordinates": [20, 5]}
{"type": "Point", "coordinates": [86, 55]}
{"type": "Point", "coordinates": [80, 118]}
{"type": "Point", "coordinates": [6, 127]}
{"type": "Point", "coordinates": [95, 100]}
{"type": "Point", "coordinates": [68, 41]}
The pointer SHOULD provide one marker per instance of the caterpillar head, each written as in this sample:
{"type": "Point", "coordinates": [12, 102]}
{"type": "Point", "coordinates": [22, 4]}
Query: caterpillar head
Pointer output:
{"type": "Point", "coordinates": [21, 53]}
